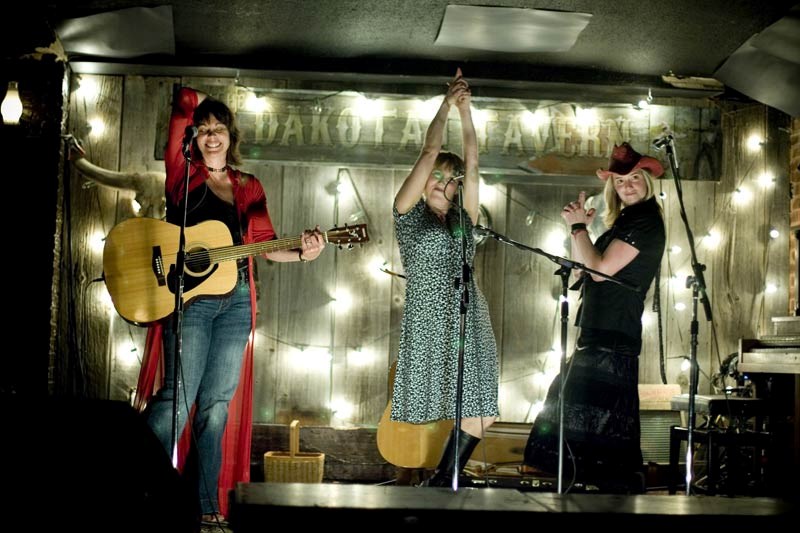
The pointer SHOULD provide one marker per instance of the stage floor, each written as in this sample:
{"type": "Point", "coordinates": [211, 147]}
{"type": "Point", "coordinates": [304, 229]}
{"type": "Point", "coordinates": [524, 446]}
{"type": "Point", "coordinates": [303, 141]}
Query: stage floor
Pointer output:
{"type": "Point", "coordinates": [256, 507]}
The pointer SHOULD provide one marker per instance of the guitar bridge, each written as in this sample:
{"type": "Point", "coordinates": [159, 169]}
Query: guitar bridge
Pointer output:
{"type": "Point", "coordinates": [157, 264]}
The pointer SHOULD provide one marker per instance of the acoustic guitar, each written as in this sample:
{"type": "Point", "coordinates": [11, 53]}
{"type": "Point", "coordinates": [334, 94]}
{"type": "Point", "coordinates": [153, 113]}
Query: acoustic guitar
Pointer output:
{"type": "Point", "coordinates": [140, 254]}
{"type": "Point", "coordinates": [410, 445]}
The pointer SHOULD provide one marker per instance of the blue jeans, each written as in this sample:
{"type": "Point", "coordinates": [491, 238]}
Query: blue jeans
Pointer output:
{"type": "Point", "coordinates": [215, 333]}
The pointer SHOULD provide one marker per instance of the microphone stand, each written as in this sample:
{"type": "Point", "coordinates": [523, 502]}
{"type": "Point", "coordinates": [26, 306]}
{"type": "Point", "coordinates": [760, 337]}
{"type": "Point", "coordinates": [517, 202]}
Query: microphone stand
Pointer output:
{"type": "Point", "coordinates": [462, 283]}
{"type": "Point", "coordinates": [180, 262]}
{"type": "Point", "coordinates": [698, 284]}
{"type": "Point", "coordinates": [566, 266]}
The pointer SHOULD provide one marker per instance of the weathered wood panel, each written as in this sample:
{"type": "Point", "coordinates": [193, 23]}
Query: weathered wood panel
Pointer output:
{"type": "Point", "coordinates": [490, 257]}
{"type": "Point", "coordinates": [749, 259]}
{"type": "Point", "coordinates": [531, 312]}
{"type": "Point", "coordinates": [296, 309]}
{"type": "Point", "coordinates": [361, 340]}
{"type": "Point", "coordinates": [92, 212]}
{"type": "Point", "coordinates": [268, 397]}
{"type": "Point", "coordinates": [306, 303]}
{"type": "Point", "coordinates": [144, 100]}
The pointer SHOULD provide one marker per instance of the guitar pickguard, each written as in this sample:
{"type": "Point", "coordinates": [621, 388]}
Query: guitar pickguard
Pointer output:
{"type": "Point", "coordinates": [190, 281]}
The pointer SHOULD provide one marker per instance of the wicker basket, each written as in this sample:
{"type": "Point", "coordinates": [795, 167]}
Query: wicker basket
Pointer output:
{"type": "Point", "coordinates": [294, 466]}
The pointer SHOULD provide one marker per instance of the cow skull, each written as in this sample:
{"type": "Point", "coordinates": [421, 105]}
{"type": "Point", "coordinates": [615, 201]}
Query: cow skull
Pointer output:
{"type": "Point", "coordinates": [148, 186]}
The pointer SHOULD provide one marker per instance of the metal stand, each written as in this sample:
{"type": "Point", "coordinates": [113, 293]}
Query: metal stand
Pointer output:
{"type": "Point", "coordinates": [567, 266]}
{"type": "Point", "coordinates": [462, 283]}
{"type": "Point", "coordinates": [698, 285]}
{"type": "Point", "coordinates": [180, 262]}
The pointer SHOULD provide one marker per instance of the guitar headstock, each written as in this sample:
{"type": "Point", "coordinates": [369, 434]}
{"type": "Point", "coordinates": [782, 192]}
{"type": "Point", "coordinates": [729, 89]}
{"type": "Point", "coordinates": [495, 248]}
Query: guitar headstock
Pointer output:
{"type": "Point", "coordinates": [347, 235]}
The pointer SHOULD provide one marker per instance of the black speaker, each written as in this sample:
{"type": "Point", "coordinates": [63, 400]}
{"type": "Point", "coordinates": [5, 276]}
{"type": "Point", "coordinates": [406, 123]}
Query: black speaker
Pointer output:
{"type": "Point", "coordinates": [94, 465]}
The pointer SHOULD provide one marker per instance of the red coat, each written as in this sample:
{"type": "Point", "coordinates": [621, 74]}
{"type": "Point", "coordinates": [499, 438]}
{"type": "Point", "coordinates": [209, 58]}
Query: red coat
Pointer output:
{"type": "Point", "coordinates": [251, 203]}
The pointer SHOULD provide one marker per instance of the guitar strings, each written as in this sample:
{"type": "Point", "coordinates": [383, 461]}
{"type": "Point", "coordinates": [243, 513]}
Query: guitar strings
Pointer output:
{"type": "Point", "coordinates": [206, 257]}
{"type": "Point", "coordinates": [238, 251]}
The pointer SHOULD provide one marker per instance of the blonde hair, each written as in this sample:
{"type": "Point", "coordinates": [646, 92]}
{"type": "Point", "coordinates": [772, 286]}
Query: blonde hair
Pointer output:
{"type": "Point", "coordinates": [614, 205]}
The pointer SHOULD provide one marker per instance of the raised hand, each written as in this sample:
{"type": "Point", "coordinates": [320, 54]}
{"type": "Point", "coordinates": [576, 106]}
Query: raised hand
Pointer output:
{"type": "Point", "coordinates": [575, 212]}
{"type": "Point", "coordinates": [457, 89]}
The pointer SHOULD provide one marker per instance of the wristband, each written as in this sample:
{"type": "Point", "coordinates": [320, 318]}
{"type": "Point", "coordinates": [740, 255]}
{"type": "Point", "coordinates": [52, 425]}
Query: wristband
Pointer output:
{"type": "Point", "coordinates": [578, 227]}
{"type": "Point", "coordinates": [300, 255]}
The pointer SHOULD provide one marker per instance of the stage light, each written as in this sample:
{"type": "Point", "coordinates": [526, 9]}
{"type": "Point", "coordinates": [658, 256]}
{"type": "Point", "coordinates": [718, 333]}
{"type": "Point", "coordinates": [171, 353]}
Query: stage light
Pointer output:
{"type": "Point", "coordinates": [96, 127]}
{"type": "Point", "coordinates": [766, 179]}
{"type": "Point", "coordinates": [644, 103]}
{"type": "Point", "coordinates": [256, 104]}
{"type": "Point", "coordinates": [771, 288]}
{"type": "Point", "coordinates": [754, 142]}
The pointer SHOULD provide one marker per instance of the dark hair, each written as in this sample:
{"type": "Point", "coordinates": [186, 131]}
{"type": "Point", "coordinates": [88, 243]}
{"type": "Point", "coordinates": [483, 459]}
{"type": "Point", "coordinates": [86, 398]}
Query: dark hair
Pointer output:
{"type": "Point", "coordinates": [450, 160]}
{"type": "Point", "coordinates": [211, 107]}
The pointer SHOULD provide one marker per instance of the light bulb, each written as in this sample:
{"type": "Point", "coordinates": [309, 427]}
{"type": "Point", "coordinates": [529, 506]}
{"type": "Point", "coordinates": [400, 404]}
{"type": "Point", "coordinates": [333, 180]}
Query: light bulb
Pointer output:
{"type": "Point", "coordinates": [12, 105]}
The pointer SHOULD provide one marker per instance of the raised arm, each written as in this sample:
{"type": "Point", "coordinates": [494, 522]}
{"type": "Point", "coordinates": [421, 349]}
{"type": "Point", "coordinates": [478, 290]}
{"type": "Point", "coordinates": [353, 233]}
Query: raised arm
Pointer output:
{"type": "Point", "coordinates": [414, 185]}
{"type": "Point", "coordinates": [186, 101]}
{"type": "Point", "coordinates": [470, 147]}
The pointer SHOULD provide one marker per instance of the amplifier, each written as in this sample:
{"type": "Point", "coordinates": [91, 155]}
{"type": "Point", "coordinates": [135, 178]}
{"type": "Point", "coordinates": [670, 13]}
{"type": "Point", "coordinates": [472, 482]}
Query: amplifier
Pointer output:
{"type": "Point", "coordinates": [657, 417]}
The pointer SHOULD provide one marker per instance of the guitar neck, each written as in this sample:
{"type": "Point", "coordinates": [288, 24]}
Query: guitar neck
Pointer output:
{"type": "Point", "coordinates": [240, 251]}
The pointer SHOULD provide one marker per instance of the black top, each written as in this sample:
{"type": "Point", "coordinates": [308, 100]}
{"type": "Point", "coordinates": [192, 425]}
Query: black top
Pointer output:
{"type": "Point", "coordinates": [609, 306]}
{"type": "Point", "coordinates": [205, 205]}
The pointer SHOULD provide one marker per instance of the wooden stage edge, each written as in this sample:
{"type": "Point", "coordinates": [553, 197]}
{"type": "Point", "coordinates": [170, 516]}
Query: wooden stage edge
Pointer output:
{"type": "Point", "coordinates": [256, 505]}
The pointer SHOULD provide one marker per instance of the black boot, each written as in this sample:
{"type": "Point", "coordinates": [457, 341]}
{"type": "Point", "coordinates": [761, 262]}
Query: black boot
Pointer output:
{"type": "Point", "coordinates": [444, 472]}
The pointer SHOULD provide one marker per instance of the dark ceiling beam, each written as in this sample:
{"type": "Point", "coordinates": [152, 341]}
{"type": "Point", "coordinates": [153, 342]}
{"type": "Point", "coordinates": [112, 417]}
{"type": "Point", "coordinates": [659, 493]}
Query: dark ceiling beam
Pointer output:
{"type": "Point", "coordinates": [404, 77]}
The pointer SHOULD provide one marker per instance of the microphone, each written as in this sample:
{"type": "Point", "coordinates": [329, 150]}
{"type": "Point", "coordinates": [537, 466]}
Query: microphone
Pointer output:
{"type": "Point", "coordinates": [458, 178]}
{"type": "Point", "coordinates": [189, 134]}
{"type": "Point", "coordinates": [480, 231]}
{"type": "Point", "coordinates": [662, 141]}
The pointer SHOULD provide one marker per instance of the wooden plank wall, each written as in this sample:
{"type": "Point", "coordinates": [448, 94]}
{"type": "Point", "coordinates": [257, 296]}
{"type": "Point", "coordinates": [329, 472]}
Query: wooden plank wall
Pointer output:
{"type": "Point", "coordinates": [91, 211]}
{"type": "Point", "coordinates": [325, 363]}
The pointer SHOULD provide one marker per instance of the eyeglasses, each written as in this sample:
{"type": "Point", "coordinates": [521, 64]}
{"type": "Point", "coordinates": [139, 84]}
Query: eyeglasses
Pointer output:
{"type": "Point", "coordinates": [219, 129]}
{"type": "Point", "coordinates": [439, 175]}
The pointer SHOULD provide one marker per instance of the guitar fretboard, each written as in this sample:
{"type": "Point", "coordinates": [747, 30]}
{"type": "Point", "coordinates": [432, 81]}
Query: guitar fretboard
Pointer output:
{"type": "Point", "coordinates": [240, 251]}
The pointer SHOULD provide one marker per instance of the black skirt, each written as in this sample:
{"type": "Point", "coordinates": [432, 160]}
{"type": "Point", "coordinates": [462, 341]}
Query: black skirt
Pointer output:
{"type": "Point", "coordinates": [601, 412]}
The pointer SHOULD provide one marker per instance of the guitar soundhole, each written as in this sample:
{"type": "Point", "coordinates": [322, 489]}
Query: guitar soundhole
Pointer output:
{"type": "Point", "coordinates": [197, 261]}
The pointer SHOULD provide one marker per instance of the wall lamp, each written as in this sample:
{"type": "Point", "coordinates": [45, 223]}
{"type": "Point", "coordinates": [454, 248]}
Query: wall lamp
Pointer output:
{"type": "Point", "coordinates": [11, 108]}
